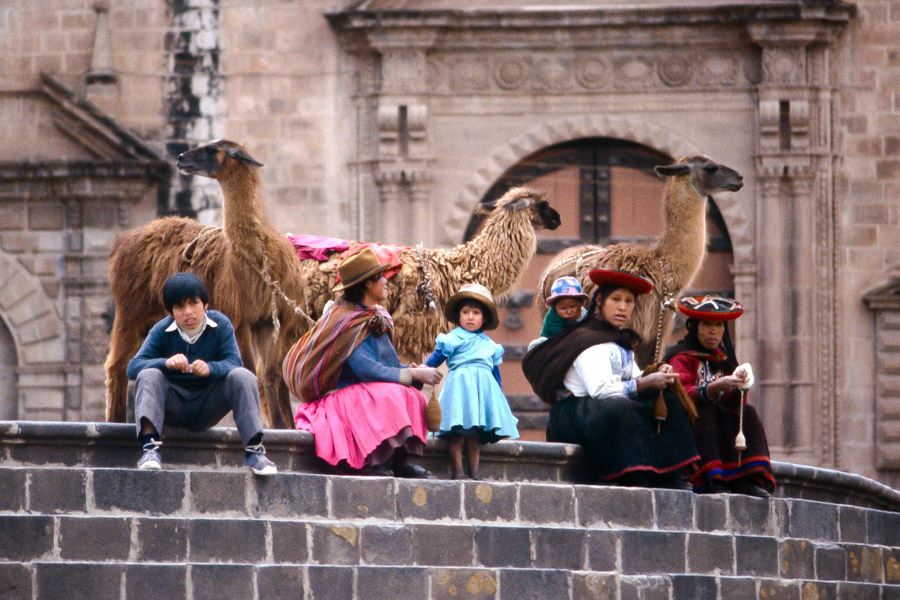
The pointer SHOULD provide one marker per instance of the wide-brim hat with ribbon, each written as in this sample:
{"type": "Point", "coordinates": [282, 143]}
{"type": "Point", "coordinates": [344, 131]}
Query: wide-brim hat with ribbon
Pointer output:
{"type": "Point", "coordinates": [358, 267]}
{"type": "Point", "coordinates": [473, 291]}
{"type": "Point", "coordinates": [710, 308]}
{"type": "Point", "coordinates": [635, 283]}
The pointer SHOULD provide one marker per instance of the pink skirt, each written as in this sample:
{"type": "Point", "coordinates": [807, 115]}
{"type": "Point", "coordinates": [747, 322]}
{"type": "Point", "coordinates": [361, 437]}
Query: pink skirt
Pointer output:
{"type": "Point", "coordinates": [364, 423]}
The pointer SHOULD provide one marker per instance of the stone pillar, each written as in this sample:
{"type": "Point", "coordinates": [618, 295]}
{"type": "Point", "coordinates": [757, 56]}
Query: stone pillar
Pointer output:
{"type": "Point", "coordinates": [100, 79]}
{"type": "Point", "coordinates": [420, 190]}
{"type": "Point", "coordinates": [394, 208]}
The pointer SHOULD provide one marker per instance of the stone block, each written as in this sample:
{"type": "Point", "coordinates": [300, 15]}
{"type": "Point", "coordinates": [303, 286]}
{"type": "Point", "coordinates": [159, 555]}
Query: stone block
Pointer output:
{"type": "Point", "coordinates": [547, 504]}
{"type": "Point", "coordinates": [162, 540]}
{"type": "Point", "coordinates": [853, 525]}
{"type": "Point", "coordinates": [749, 515]}
{"type": "Point", "coordinates": [614, 506]}
{"type": "Point", "coordinates": [326, 583]}
{"type": "Point", "coordinates": [391, 545]}
{"type": "Point", "coordinates": [797, 559]}
{"type": "Point", "coordinates": [644, 588]}
{"type": "Point", "coordinates": [94, 538]}
{"type": "Point", "coordinates": [710, 554]}
{"type": "Point", "coordinates": [429, 500]}
{"type": "Point", "coordinates": [25, 538]}
{"type": "Point", "coordinates": [858, 591]}
{"type": "Point", "coordinates": [335, 543]}
{"type": "Point", "coordinates": [814, 520]}
{"type": "Point", "coordinates": [756, 555]}
{"type": "Point", "coordinates": [146, 492]}
{"type": "Point", "coordinates": [45, 217]}
{"type": "Point", "coordinates": [227, 540]}
{"type": "Point", "coordinates": [463, 584]}
{"type": "Point", "coordinates": [289, 542]}
{"type": "Point", "coordinates": [774, 589]}
{"type": "Point", "coordinates": [214, 492]}
{"type": "Point", "coordinates": [209, 581]}
{"type": "Point", "coordinates": [12, 482]}
{"type": "Point", "coordinates": [674, 509]}
{"type": "Point", "coordinates": [737, 587]}
{"type": "Point", "coordinates": [890, 592]}
{"type": "Point", "coordinates": [695, 587]}
{"type": "Point", "coordinates": [489, 501]}
{"type": "Point", "coordinates": [15, 582]}
{"type": "Point", "coordinates": [864, 563]}
{"type": "Point", "coordinates": [594, 586]}
{"type": "Point", "coordinates": [384, 583]}
{"type": "Point", "coordinates": [559, 548]}
{"type": "Point", "coordinates": [891, 565]}
{"type": "Point", "coordinates": [78, 581]}
{"type": "Point", "coordinates": [818, 590]}
{"type": "Point", "coordinates": [12, 216]}
{"type": "Point", "coordinates": [533, 584]}
{"type": "Point", "coordinates": [290, 495]}
{"type": "Point", "coordinates": [497, 546]}
{"type": "Point", "coordinates": [362, 497]}
{"type": "Point", "coordinates": [831, 562]}
{"type": "Point", "coordinates": [57, 491]}
{"type": "Point", "coordinates": [275, 582]}
{"type": "Point", "coordinates": [710, 512]}
{"type": "Point", "coordinates": [884, 528]}
{"type": "Point", "coordinates": [443, 545]}
{"type": "Point", "coordinates": [602, 549]}
{"type": "Point", "coordinates": [152, 582]}
{"type": "Point", "coordinates": [645, 552]}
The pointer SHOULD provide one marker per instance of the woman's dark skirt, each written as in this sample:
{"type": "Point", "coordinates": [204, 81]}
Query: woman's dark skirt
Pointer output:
{"type": "Point", "coordinates": [714, 432]}
{"type": "Point", "coordinates": [620, 435]}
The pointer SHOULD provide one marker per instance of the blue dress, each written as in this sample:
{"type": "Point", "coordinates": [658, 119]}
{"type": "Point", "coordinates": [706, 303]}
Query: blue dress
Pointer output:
{"type": "Point", "coordinates": [472, 400]}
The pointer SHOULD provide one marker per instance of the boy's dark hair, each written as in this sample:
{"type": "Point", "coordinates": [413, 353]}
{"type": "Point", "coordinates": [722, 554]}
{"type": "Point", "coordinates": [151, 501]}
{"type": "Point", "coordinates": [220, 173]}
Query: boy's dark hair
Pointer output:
{"type": "Point", "coordinates": [183, 286]}
{"type": "Point", "coordinates": [471, 302]}
{"type": "Point", "coordinates": [356, 292]}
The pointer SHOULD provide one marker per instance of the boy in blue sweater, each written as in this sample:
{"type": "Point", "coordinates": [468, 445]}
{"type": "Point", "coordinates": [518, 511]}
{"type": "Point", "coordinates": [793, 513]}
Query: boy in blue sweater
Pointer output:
{"type": "Point", "coordinates": [189, 374]}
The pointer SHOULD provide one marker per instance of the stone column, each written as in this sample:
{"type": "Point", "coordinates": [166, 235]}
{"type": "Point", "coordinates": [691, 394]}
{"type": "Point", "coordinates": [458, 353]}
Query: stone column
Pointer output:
{"type": "Point", "coordinates": [394, 207]}
{"type": "Point", "coordinates": [420, 223]}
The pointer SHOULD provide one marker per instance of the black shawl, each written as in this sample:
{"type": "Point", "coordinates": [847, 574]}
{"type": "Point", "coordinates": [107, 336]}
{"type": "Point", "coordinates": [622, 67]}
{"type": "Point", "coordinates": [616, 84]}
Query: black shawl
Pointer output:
{"type": "Point", "coordinates": [723, 356]}
{"type": "Point", "coordinates": [546, 364]}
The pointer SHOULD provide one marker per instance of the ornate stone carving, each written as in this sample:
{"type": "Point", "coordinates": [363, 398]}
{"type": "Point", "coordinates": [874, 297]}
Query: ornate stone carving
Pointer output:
{"type": "Point", "coordinates": [553, 73]}
{"type": "Point", "coordinates": [718, 70]}
{"type": "Point", "coordinates": [592, 73]}
{"type": "Point", "coordinates": [469, 75]}
{"type": "Point", "coordinates": [676, 71]}
{"type": "Point", "coordinates": [784, 65]}
{"type": "Point", "coordinates": [511, 73]}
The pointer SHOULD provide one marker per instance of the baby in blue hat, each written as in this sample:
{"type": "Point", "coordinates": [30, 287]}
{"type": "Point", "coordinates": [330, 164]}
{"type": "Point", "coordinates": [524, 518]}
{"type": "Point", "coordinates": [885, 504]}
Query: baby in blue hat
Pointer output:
{"type": "Point", "coordinates": [566, 303]}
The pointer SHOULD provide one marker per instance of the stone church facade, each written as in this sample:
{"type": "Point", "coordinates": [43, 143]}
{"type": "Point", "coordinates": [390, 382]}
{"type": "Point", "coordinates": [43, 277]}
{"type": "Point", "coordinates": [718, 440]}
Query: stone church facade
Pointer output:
{"type": "Point", "coordinates": [391, 120]}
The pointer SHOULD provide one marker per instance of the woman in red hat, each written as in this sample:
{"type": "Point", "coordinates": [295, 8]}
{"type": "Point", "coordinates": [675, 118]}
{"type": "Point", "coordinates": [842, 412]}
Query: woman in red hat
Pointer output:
{"type": "Point", "coordinates": [705, 362]}
{"type": "Point", "coordinates": [363, 406]}
{"type": "Point", "coordinates": [599, 399]}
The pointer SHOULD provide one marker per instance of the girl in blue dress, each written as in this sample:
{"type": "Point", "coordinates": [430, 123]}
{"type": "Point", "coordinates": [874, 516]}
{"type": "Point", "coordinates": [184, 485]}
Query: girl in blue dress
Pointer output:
{"type": "Point", "coordinates": [474, 409]}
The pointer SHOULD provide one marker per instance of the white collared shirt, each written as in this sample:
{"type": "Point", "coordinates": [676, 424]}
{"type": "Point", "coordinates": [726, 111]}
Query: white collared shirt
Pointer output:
{"type": "Point", "coordinates": [190, 339]}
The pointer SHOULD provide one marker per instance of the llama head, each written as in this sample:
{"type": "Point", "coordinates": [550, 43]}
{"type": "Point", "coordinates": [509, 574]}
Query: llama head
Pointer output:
{"type": "Point", "coordinates": [209, 160]}
{"type": "Point", "coordinates": [541, 214]}
{"type": "Point", "coordinates": [705, 175]}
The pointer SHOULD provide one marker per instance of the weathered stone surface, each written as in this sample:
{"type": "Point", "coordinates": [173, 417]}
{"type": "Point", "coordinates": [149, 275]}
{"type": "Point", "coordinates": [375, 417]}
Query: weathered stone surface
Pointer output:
{"type": "Point", "coordinates": [864, 563]}
{"type": "Point", "coordinates": [393, 545]}
{"type": "Point", "coordinates": [613, 506]}
{"type": "Point", "coordinates": [463, 584]}
{"type": "Point", "coordinates": [884, 528]}
{"type": "Point", "coordinates": [653, 552]}
{"type": "Point", "coordinates": [489, 501]}
{"type": "Point", "coordinates": [749, 515]}
{"type": "Point", "coordinates": [208, 581]}
{"type": "Point", "coordinates": [796, 559]}
{"type": "Point", "coordinates": [674, 509]}
{"type": "Point", "coordinates": [853, 525]}
{"type": "Point", "coordinates": [152, 582]}
{"type": "Point", "coordinates": [216, 492]}
{"type": "Point", "coordinates": [291, 495]}
{"type": "Point", "coordinates": [162, 540]}
{"type": "Point", "coordinates": [815, 521]}
{"type": "Point", "coordinates": [15, 582]}
{"type": "Point", "coordinates": [12, 482]}
{"type": "Point", "coordinates": [756, 555]}
{"type": "Point", "coordinates": [497, 546]}
{"type": "Point", "coordinates": [78, 581]}
{"type": "Point", "coordinates": [710, 554]}
{"type": "Point", "coordinates": [326, 583]}
{"type": "Point", "coordinates": [559, 548]}
{"type": "Point", "coordinates": [831, 562]}
{"type": "Point", "coordinates": [376, 583]}
{"type": "Point", "coordinates": [858, 591]}
{"type": "Point", "coordinates": [227, 540]}
{"type": "Point", "coordinates": [775, 589]}
{"type": "Point", "coordinates": [277, 582]}
{"type": "Point", "coordinates": [94, 538]}
{"type": "Point", "coordinates": [547, 504]}
{"type": "Point", "coordinates": [25, 538]}
{"type": "Point", "coordinates": [362, 497]}
{"type": "Point", "coordinates": [289, 542]}
{"type": "Point", "coordinates": [594, 586]}
{"type": "Point", "coordinates": [602, 549]}
{"type": "Point", "coordinates": [334, 543]}
{"type": "Point", "coordinates": [695, 587]}
{"type": "Point", "coordinates": [444, 545]}
{"type": "Point", "coordinates": [431, 500]}
{"type": "Point", "coordinates": [737, 587]}
{"type": "Point", "coordinates": [147, 492]}
{"type": "Point", "coordinates": [533, 584]}
{"type": "Point", "coordinates": [57, 490]}
{"type": "Point", "coordinates": [710, 512]}
{"type": "Point", "coordinates": [644, 588]}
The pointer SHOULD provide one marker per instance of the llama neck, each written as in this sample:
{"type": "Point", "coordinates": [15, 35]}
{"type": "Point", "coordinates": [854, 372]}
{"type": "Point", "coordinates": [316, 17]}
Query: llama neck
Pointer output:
{"type": "Point", "coordinates": [683, 244]}
{"type": "Point", "coordinates": [498, 255]}
{"type": "Point", "coordinates": [242, 218]}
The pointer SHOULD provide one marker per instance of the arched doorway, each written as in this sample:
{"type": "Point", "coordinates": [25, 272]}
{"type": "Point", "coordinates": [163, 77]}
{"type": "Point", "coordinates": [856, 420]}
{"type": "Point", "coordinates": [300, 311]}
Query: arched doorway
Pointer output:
{"type": "Point", "coordinates": [607, 192]}
{"type": "Point", "coordinates": [9, 400]}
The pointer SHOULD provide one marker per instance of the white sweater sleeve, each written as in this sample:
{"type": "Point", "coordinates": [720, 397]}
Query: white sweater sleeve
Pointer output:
{"type": "Point", "coordinates": [592, 375]}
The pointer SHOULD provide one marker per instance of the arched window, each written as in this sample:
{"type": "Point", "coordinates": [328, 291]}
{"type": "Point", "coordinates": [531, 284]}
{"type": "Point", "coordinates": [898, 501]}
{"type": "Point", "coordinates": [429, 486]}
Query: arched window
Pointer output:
{"type": "Point", "coordinates": [606, 191]}
{"type": "Point", "coordinates": [9, 402]}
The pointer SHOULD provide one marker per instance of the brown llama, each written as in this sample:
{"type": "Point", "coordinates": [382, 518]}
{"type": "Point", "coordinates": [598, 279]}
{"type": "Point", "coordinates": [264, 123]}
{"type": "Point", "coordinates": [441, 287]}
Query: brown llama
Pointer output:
{"type": "Point", "coordinates": [249, 269]}
{"type": "Point", "coordinates": [672, 263]}
{"type": "Point", "coordinates": [496, 258]}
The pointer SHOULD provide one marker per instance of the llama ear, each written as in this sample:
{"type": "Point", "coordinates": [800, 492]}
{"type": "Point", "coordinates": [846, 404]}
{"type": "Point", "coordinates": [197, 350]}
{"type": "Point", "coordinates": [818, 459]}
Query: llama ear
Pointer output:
{"type": "Point", "coordinates": [243, 156]}
{"type": "Point", "coordinates": [486, 208]}
{"type": "Point", "coordinates": [520, 203]}
{"type": "Point", "coordinates": [673, 170]}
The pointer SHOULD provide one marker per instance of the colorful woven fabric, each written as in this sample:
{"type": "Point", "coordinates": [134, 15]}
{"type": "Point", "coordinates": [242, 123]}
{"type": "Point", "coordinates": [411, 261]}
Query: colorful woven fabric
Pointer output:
{"type": "Point", "coordinates": [313, 364]}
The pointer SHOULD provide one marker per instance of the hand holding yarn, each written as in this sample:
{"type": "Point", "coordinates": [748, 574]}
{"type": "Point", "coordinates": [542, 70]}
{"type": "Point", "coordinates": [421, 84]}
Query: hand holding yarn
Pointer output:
{"type": "Point", "coordinates": [745, 372]}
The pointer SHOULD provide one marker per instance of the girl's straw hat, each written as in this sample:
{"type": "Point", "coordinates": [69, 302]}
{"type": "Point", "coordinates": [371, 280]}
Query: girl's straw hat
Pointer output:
{"type": "Point", "coordinates": [358, 267]}
{"type": "Point", "coordinates": [473, 291]}
{"type": "Point", "coordinates": [635, 283]}
{"type": "Point", "coordinates": [710, 308]}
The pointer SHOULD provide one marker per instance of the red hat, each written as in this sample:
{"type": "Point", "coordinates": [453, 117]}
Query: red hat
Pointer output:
{"type": "Point", "coordinates": [710, 308]}
{"type": "Point", "coordinates": [635, 283]}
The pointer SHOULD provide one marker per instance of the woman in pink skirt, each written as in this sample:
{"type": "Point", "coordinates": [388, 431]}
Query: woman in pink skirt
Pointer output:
{"type": "Point", "coordinates": [363, 406]}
